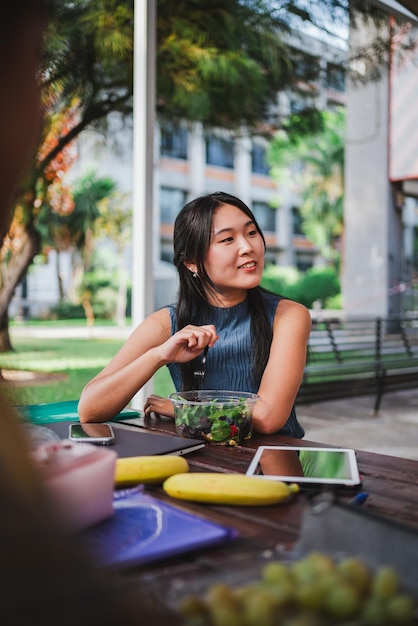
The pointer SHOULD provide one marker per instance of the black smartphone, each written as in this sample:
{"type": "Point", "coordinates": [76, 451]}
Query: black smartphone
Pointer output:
{"type": "Point", "coordinates": [101, 434]}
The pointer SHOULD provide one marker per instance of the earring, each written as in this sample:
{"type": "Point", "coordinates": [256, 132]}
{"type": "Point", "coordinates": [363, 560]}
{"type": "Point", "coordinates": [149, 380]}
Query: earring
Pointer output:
{"type": "Point", "coordinates": [195, 275]}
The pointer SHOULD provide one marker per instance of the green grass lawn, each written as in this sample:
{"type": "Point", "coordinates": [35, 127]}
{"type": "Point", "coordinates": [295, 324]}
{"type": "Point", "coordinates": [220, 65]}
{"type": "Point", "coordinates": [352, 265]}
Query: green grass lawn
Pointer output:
{"type": "Point", "coordinates": [79, 359]}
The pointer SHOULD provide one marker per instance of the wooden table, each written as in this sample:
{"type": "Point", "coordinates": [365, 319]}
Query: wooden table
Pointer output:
{"type": "Point", "coordinates": [266, 531]}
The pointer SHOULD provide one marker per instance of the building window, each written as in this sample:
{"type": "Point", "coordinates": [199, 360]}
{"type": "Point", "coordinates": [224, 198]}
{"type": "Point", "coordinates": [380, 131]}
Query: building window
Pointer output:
{"type": "Point", "coordinates": [173, 141]}
{"type": "Point", "coordinates": [171, 201]}
{"type": "Point", "coordinates": [298, 106]}
{"type": "Point", "coordinates": [270, 258]}
{"type": "Point", "coordinates": [166, 252]}
{"type": "Point", "coordinates": [303, 262]}
{"type": "Point", "coordinates": [306, 67]}
{"type": "Point", "coordinates": [297, 222]}
{"type": "Point", "coordinates": [259, 164]}
{"type": "Point", "coordinates": [335, 77]}
{"type": "Point", "coordinates": [265, 216]}
{"type": "Point", "coordinates": [219, 151]}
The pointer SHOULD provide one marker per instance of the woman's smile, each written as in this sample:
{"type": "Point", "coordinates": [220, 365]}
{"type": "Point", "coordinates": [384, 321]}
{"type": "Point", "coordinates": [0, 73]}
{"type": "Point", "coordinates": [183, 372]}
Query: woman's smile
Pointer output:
{"type": "Point", "coordinates": [251, 265]}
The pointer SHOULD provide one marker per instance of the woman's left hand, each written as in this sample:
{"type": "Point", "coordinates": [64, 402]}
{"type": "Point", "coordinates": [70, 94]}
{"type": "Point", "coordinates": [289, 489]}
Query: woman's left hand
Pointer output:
{"type": "Point", "coordinates": [159, 406]}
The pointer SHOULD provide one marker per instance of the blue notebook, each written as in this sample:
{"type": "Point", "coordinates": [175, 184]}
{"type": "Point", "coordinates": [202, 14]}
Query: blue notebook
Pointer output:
{"type": "Point", "coordinates": [143, 529]}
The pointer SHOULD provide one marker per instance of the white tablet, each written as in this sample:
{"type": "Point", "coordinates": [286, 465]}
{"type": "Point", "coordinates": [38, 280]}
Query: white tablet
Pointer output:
{"type": "Point", "coordinates": [315, 466]}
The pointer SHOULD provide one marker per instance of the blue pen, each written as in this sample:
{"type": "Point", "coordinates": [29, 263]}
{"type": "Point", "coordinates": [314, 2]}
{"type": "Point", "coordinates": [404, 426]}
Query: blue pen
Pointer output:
{"type": "Point", "coordinates": [360, 498]}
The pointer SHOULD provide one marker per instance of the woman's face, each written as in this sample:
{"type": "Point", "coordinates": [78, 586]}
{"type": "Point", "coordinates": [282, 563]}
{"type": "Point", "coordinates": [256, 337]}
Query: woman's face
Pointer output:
{"type": "Point", "coordinates": [235, 258]}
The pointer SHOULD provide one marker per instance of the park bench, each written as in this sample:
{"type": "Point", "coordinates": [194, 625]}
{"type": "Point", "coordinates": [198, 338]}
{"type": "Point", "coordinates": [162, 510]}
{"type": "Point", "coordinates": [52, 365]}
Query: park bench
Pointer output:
{"type": "Point", "coordinates": [360, 356]}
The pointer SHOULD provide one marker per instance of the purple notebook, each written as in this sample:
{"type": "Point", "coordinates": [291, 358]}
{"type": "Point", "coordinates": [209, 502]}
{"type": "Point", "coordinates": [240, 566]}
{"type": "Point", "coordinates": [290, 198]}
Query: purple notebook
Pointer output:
{"type": "Point", "coordinates": [143, 529]}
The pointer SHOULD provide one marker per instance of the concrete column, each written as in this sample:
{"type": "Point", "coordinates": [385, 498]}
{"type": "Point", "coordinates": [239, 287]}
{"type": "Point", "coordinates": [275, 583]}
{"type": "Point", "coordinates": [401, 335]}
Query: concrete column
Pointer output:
{"type": "Point", "coordinates": [143, 158]}
{"type": "Point", "coordinates": [372, 226]}
{"type": "Point", "coordinates": [196, 161]}
{"type": "Point", "coordinates": [284, 226]}
{"type": "Point", "coordinates": [409, 221]}
{"type": "Point", "coordinates": [156, 222]}
{"type": "Point", "coordinates": [242, 182]}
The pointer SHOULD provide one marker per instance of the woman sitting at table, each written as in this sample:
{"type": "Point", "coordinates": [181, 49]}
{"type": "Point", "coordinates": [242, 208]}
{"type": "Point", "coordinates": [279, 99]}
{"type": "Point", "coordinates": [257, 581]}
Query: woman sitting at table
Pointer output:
{"type": "Point", "coordinates": [257, 340]}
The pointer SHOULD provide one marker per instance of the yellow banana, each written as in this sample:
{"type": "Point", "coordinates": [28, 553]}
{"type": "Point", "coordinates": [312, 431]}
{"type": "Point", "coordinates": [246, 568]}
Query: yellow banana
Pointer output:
{"type": "Point", "coordinates": [148, 469]}
{"type": "Point", "coordinates": [218, 488]}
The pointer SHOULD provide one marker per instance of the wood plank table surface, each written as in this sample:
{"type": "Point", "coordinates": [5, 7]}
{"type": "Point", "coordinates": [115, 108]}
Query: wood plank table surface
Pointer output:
{"type": "Point", "coordinates": [265, 531]}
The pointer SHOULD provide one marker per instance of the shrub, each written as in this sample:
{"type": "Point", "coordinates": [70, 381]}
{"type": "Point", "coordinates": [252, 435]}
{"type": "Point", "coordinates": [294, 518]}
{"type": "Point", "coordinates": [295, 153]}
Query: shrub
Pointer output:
{"type": "Point", "coordinates": [334, 302]}
{"type": "Point", "coordinates": [316, 284]}
{"type": "Point", "coordinates": [104, 303]}
{"type": "Point", "coordinates": [66, 311]}
{"type": "Point", "coordinates": [280, 279]}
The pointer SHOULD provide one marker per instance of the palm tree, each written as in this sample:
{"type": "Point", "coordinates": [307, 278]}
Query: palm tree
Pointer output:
{"type": "Point", "coordinates": [89, 193]}
{"type": "Point", "coordinates": [317, 164]}
{"type": "Point", "coordinates": [115, 224]}
{"type": "Point", "coordinates": [323, 196]}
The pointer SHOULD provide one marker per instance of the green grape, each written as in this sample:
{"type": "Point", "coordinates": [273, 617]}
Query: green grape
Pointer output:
{"type": "Point", "coordinates": [282, 594]}
{"type": "Point", "coordinates": [401, 609]}
{"type": "Point", "coordinates": [326, 584]}
{"type": "Point", "coordinates": [303, 618]}
{"type": "Point", "coordinates": [374, 612]}
{"type": "Point", "coordinates": [275, 572]}
{"type": "Point", "coordinates": [320, 563]}
{"type": "Point", "coordinates": [195, 607]}
{"type": "Point", "coordinates": [225, 616]}
{"type": "Point", "coordinates": [300, 572]}
{"type": "Point", "coordinates": [385, 582]}
{"type": "Point", "coordinates": [356, 573]}
{"type": "Point", "coordinates": [220, 593]}
{"type": "Point", "coordinates": [240, 593]}
{"type": "Point", "coordinates": [225, 609]}
{"type": "Point", "coordinates": [313, 591]}
{"type": "Point", "coordinates": [260, 609]}
{"type": "Point", "coordinates": [304, 571]}
{"type": "Point", "coordinates": [310, 595]}
{"type": "Point", "coordinates": [343, 601]}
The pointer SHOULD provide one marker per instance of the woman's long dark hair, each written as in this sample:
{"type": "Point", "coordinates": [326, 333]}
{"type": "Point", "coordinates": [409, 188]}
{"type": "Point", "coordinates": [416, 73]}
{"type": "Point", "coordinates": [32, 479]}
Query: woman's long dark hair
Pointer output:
{"type": "Point", "coordinates": [192, 236]}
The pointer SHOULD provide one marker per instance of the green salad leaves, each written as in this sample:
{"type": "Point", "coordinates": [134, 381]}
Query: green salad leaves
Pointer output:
{"type": "Point", "coordinates": [214, 420]}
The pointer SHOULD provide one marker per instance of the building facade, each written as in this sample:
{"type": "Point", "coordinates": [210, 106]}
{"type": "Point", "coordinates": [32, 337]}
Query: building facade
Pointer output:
{"type": "Point", "coordinates": [380, 274]}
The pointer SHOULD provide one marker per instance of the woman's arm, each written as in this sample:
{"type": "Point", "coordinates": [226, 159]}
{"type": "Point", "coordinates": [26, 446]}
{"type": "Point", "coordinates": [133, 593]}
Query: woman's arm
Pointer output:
{"type": "Point", "coordinates": [149, 347]}
{"type": "Point", "coordinates": [284, 371]}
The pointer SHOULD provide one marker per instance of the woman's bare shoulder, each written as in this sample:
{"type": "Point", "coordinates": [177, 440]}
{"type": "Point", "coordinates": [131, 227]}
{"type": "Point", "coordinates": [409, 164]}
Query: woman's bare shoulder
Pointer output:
{"type": "Point", "coordinates": [293, 312]}
{"type": "Point", "coordinates": [287, 307]}
{"type": "Point", "coordinates": [158, 321]}
{"type": "Point", "coordinates": [161, 315]}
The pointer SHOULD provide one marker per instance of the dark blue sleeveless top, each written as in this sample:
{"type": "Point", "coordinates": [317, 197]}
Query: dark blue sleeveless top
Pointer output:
{"type": "Point", "coordinates": [229, 362]}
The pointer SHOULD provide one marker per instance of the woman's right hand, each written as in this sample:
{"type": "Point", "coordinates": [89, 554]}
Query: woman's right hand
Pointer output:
{"type": "Point", "coordinates": [148, 348]}
{"type": "Point", "coordinates": [186, 344]}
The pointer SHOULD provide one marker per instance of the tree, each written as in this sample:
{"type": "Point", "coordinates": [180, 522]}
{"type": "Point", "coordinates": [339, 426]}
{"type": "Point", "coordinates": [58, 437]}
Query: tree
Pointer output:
{"type": "Point", "coordinates": [100, 211]}
{"type": "Point", "coordinates": [115, 223]}
{"type": "Point", "coordinates": [221, 63]}
{"type": "Point", "coordinates": [88, 64]}
{"type": "Point", "coordinates": [54, 198]}
{"type": "Point", "coordinates": [89, 193]}
{"type": "Point", "coordinates": [78, 227]}
{"type": "Point", "coordinates": [316, 163]}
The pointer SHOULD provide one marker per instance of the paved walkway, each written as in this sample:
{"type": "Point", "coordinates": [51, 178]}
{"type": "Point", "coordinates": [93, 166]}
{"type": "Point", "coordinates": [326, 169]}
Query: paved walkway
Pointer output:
{"type": "Point", "coordinates": [349, 422]}
{"type": "Point", "coordinates": [71, 332]}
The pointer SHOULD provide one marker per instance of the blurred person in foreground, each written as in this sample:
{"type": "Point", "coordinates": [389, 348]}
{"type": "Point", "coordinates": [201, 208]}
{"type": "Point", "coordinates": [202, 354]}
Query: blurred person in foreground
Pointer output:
{"type": "Point", "coordinates": [45, 577]}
